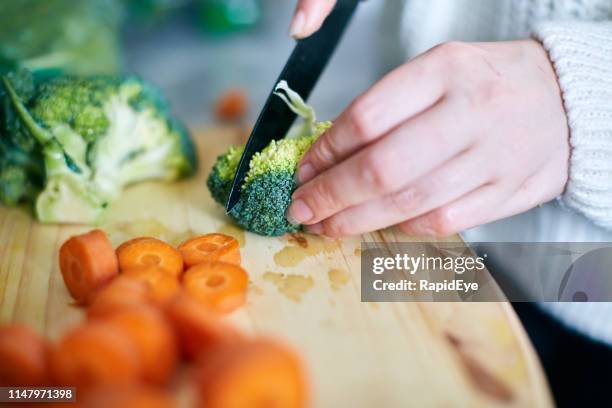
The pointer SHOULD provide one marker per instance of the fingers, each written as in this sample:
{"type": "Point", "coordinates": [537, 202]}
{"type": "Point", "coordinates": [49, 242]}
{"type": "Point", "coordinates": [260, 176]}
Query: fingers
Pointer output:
{"type": "Point", "coordinates": [487, 204]}
{"type": "Point", "coordinates": [445, 184]}
{"type": "Point", "coordinates": [533, 192]}
{"type": "Point", "coordinates": [475, 208]}
{"type": "Point", "coordinates": [399, 96]}
{"type": "Point", "coordinates": [308, 17]}
{"type": "Point", "coordinates": [403, 156]}
{"type": "Point", "coordinates": [417, 202]}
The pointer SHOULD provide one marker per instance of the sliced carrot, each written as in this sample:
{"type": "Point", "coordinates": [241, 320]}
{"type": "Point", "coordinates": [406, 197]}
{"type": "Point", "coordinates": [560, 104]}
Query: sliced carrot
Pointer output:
{"type": "Point", "coordinates": [154, 339]}
{"type": "Point", "coordinates": [119, 294]}
{"type": "Point", "coordinates": [96, 353]}
{"type": "Point", "coordinates": [87, 261]}
{"type": "Point", "coordinates": [231, 105]}
{"type": "Point", "coordinates": [23, 357]}
{"type": "Point", "coordinates": [199, 331]}
{"type": "Point", "coordinates": [132, 241]}
{"type": "Point", "coordinates": [220, 286]}
{"type": "Point", "coordinates": [163, 286]}
{"type": "Point", "coordinates": [127, 397]}
{"type": "Point", "coordinates": [260, 373]}
{"type": "Point", "coordinates": [210, 247]}
{"type": "Point", "coordinates": [146, 251]}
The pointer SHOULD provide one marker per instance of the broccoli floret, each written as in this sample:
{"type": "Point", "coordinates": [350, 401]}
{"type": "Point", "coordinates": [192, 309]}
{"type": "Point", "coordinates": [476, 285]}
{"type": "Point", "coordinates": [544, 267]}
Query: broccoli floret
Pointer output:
{"type": "Point", "coordinates": [78, 37]}
{"type": "Point", "coordinates": [70, 144]}
{"type": "Point", "coordinates": [220, 178]}
{"type": "Point", "coordinates": [269, 183]}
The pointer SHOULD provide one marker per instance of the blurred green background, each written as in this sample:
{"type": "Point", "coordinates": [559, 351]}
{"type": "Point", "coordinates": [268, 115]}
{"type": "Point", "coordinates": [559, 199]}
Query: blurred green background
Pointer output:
{"type": "Point", "coordinates": [192, 49]}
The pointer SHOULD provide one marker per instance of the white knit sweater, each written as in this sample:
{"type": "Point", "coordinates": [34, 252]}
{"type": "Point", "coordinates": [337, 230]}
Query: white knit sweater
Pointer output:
{"type": "Point", "coordinates": [578, 37]}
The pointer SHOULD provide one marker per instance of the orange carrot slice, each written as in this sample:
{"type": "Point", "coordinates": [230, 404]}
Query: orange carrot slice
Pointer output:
{"type": "Point", "coordinates": [210, 247]}
{"type": "Point", "coordinates": [199, 331]}
{"type": "Point", "coordinates": [23, 357]}
{"type": "Point", "coordinates": [87, 261]}
{"type": "Point", "coordinates": [163, 286]}
{"type": "Point", "coordinates": [119, 294]}
{"type": "Point", "coordinates": [260, 373]}
{"type": "Point", "coordinates": [127, 397]}
{"type": "Point", "coordinates": [96, 353]}
{"type": "Point", "coordinates": [220, 286]}
{"type": "Point", "coordinates": [154, 339]}
{"type": "Point", "coordinates": [146, 251]}
{"type": "Point", "coordinates": [132, 241]}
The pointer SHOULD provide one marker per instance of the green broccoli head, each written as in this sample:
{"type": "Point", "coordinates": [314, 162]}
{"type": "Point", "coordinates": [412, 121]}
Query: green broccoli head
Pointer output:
{"type": "Point", "coordinates": [220, 178]}
{"type": "Point", "coordinates": [268, 185]}
{"type": "Point", "coordinates": [90, 137]}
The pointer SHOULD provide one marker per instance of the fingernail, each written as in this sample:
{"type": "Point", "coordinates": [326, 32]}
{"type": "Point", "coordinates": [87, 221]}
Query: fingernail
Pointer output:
{"type": "Point", "coordinates": [305, 172]}
{"type": "Point", "coordinates": [314, 15]}
{"type": "Point", "coordinates": [297, 25]}
{"type": "Point", "coordinates": [299, 212]}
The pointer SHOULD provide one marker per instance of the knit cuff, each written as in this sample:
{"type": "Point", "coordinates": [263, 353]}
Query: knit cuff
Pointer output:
{"type": "Point", "coordinates": [582, 57]}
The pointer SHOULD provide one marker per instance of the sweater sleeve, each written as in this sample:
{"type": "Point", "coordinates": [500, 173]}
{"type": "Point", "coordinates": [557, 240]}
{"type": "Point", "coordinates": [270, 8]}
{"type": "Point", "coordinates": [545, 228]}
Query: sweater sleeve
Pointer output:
{"type": "Point", "coordinates": [581, 53]}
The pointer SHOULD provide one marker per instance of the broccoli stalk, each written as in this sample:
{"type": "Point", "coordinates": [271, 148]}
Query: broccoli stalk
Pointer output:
{"type": "Point", "coordinates": [95, 136]}
{"type": "Point", "coordinates": [269, 183]}
{"type": "Point", "coordinates": [21, 163]}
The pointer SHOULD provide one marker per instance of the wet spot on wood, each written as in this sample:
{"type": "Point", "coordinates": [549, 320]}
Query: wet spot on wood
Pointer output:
{"type": "Point", "coordinates": [300, 247]}
{"type": "Point", "coordinates": [338, 278]}
{"type": "Point", "coordinates": [292, 286]}
{"type": "Point", "coordinates": [299, 239]}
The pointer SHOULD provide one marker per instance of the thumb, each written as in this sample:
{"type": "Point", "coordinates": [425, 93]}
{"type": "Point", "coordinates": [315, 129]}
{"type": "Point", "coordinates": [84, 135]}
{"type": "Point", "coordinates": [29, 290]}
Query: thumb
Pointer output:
{"type": "Point", "coordinates": [308, 17]}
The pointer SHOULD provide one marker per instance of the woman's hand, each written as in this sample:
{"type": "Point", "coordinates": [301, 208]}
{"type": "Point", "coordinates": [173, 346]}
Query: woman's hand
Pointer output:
{"type": "Point", "coordinates": [308, 17]}
{"type": "Point", "coordinates": [462, 135]}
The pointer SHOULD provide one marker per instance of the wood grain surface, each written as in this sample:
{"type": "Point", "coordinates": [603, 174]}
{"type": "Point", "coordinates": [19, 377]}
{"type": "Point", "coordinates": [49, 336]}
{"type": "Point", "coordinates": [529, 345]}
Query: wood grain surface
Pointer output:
{"type": "Point", "coordinates": [305, 290]}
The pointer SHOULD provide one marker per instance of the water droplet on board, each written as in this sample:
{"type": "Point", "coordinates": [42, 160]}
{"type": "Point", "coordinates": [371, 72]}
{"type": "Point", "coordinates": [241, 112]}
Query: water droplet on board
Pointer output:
{"type": "Point", "coordinates": [298, 239]}
{"type": "Point", "coordinates": [292, 286]}
{"type": "Point", "coordinates": [338, 278]}
{"type": "Point", "coordinates": [302, 246]}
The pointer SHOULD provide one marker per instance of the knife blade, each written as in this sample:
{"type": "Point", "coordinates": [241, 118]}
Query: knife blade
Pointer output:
{"type": "Point", "coordinates": [302, 70]}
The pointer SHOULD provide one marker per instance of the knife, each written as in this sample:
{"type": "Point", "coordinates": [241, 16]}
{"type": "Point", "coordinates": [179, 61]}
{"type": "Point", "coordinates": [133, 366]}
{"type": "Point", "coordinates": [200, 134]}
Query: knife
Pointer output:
{"type": "Point", "coordinates": [301, 72]}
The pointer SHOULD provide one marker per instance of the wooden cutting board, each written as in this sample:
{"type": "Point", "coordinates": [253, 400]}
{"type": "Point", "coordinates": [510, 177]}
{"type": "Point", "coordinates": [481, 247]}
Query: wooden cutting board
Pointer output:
{"type": "Point", "coordinates": [305, 290]}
